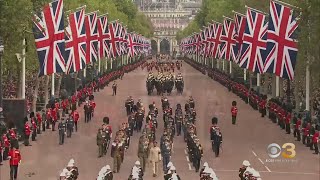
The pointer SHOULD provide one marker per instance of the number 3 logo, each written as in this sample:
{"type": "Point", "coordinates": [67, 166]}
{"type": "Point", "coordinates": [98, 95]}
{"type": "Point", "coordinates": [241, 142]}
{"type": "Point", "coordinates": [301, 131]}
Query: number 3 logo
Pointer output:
{"type": "Point", "coordinates": [289, 150]}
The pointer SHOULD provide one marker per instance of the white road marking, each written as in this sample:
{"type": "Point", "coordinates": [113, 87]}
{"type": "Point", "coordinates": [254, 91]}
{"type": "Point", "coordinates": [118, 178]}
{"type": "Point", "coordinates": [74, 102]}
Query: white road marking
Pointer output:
{"type": "Point", "coordinates": [190, 167]}
{"type": "Point", "coordinates": [254, 153]}
{"type": "Point", "coordinates": [188, 158]}
{"type": "Point", "coordinates": [261, 161]}
{"type": "Point", "coordinates": [275, 172]}
{"type": "Point", "coordinates": [267, 168]}
{"type": "Point", "coordinates": [185, 151]}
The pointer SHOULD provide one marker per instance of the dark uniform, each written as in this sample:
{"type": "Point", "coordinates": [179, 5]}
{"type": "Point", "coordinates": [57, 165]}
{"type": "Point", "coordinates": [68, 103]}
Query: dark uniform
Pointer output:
{"type": "Point", "coordinates": [87, 112]}
{"type": "Point", "coordinates": [114, 89]}
{"type": "Point", "coordinates": [61, 129]}
{"type": "Point", "coordinates": [70, 125]}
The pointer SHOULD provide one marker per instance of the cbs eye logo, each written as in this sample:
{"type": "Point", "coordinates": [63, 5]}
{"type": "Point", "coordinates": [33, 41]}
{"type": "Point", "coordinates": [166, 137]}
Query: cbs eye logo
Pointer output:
{"type": "Point", "coordinates": [287, 150]}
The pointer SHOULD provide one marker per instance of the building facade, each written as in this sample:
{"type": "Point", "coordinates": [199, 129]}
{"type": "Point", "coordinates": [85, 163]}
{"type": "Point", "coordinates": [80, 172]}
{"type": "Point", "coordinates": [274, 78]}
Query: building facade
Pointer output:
{"type": "Point", "coordinates": [168, 17]}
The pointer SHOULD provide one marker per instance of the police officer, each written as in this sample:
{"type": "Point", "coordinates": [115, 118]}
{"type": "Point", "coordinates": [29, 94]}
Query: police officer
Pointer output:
{"type": "Point", "coordinates": [62, 130]}
{"type": "Point", "coordinates": [70, 125]}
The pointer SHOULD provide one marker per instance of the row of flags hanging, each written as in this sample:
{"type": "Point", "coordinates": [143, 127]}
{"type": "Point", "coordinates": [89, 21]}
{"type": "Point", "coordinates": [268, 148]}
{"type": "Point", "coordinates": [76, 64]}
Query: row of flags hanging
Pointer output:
{"type": "Point", "coordinates": [88, 38]}
{"type": "Point", "coordinates": [256, 41]}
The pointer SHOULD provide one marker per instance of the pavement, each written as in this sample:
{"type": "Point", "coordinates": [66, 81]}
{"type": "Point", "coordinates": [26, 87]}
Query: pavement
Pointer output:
{"type": "Point", "coordinates": [247, 140]}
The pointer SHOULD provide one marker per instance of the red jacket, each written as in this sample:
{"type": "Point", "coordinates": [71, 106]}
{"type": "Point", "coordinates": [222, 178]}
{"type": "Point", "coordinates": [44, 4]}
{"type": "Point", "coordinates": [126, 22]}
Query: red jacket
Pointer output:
{"type": "Point", "coordinates": [298, 124]}
{"type": "Point", "coordinates": [54, 114]}
{"type": "Point", "coordinates": [15, 157]}
{"type": "Point", "coordinates": [306, 130]}
{"type": "Point", "coordinates": [93, 104]}
{"type": "Point", "coordinates": [39, 118]}
{"type": "Point", "coordinates": [288, 118]}
{"type": "Point", "coordinates": [48, 114]}
{"type": "Point", "coordinates": [75, 116]}
{"type": "Point", "coordinates": [34, 124]}
{"type": "Point", "coordinates": [57, 105]}
{"type": "Point", "coordinates": [27, 129]}
{"type": "Point", "coordinates": [315, 137]}
{"type": "Point", "coordinates": [234, 111]}
{"type": "Point", "coordinates": [6, 142]}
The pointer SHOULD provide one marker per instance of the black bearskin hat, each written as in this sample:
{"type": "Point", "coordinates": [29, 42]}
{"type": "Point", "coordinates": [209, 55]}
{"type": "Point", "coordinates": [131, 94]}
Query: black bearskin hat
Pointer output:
{"type": "Point", "coordinates": [214, 120]}
{"type": "Point", "coordinates": [234, 103]}
{"type": "Point", "coordinates": [106, 120]}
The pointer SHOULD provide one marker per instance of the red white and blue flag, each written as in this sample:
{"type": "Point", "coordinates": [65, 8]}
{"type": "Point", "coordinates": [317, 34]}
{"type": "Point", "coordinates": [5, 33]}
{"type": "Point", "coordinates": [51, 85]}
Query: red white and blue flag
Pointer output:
{"type": "Point", "coordinates": [49, 38]}
{"type": "Point", "coordinates": [75, 36]}
{"type": "Point", "coordinates": [92, 52]}
{"type": "Point", "coordinates": [131, 45]}
{"type": "Point", "coordinates": [114, 42]}
{"type": "Point", "coordinates": [240, 23]}
{"type": "Point", "coordinates": [254, 41]}
{"type": "Point", "coordinates": [216, 43]}
{"type": "Point", "coordinates": [282, 48]}
{"type": "Point", "coordinates": [228, 47]}
{"type": "Point", "coordinates": [104, 37]}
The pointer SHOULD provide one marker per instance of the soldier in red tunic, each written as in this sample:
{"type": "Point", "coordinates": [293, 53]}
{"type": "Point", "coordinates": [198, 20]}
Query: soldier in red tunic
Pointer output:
{"type": "Point", "coordinates": [93, 106]}
{"type": "Point", "coordinates": [234, 112]}
{"type": "Point", "coordinates": [48, 118]}
{"type": "Point", "coordinates": [6, 146]}
{"type": "Point", "coordinates": [305, 131]}
{"type": "Point", "coordinates": [39, 122]}
{"type": "Point", "coordinates": [75, 116]}
{"type": "Point", "coordinates": [288, 122]}
{"type": "Point", "coordinates": [315, 140]}
{"type": "Point", "coordinates": [34, 128]}
{"type": "Point", "coordinates": [27, 132]}
{"type": "Point", "coordinates": [54, 114]}
{"type": "Point", "coordinates": [15, 159]}
{"type": "Point", "coordinates": [297, 127]}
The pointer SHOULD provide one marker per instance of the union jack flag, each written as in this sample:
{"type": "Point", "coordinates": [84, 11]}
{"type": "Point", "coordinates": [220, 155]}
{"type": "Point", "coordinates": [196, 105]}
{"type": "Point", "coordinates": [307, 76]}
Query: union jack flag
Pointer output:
{"type": "Point", "coordinates": [228, 47]}
{"type": "Point", "coordinates": [113, 30]}
{"type": "Point", "coordinates": [49, 38]}
{"type": "Point", "coordinates": [131, 45]}
{"type": "Point", "coordinates": [92, 37]}
{"type": "Point", "coordinates": [254, 41]}
{"type": "Point", "coordinates": [204, 42]}
{"type": "Point", "coordinates": [76, 42]}
{"type": "Point", "coordinates": [240, 23]}
{"type": "Point", "coordinates": [282, 48]}
{"type": "Point", "coordinates": [104, 37]}
{"type": "Point", "coordinates": [216, 43]}
{"type": "Point", "coordinates": [197, 43]}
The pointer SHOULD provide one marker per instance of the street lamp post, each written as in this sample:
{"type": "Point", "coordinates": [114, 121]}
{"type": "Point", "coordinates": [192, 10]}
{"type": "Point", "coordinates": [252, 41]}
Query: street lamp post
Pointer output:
{"type": "Point", "coordinates": [1, 94]}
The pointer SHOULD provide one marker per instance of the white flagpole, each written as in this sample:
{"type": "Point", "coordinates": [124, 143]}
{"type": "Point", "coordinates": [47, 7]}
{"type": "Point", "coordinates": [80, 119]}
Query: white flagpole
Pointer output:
{"type": "Point", "coordinates": [222, 65]}
{"type": "Point", "coordinates": [307, 87]}
{"type": "Point", "coordinates": [111, 63]}
{"type": "Point", "coordinates": [106, 63]}
{"type": "Point", "coordinates": [52, 85]}
{"type": "Point", "coordinates": [258, 79]}
{"type": "Point", "coordinates": [99, 66]}
{"type": "Point", "coordinates": [218, 64]}
{"type": "Point", "coordinates": [85, 72]}
{"type": "Point", "coordinates": [245, 74]}
{"type": "Point", "coordinates": [230, 67]}
{"type": "Point", "coordinates": [277, 86]}
{"type": "Point", "coordinates": [23, 69]}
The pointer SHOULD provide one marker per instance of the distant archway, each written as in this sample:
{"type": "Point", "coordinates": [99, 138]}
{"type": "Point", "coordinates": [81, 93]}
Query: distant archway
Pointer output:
{"type": "Point", "coordinates": [154, 46]}
{"type": "Point", "coordinates": [165, 46]}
